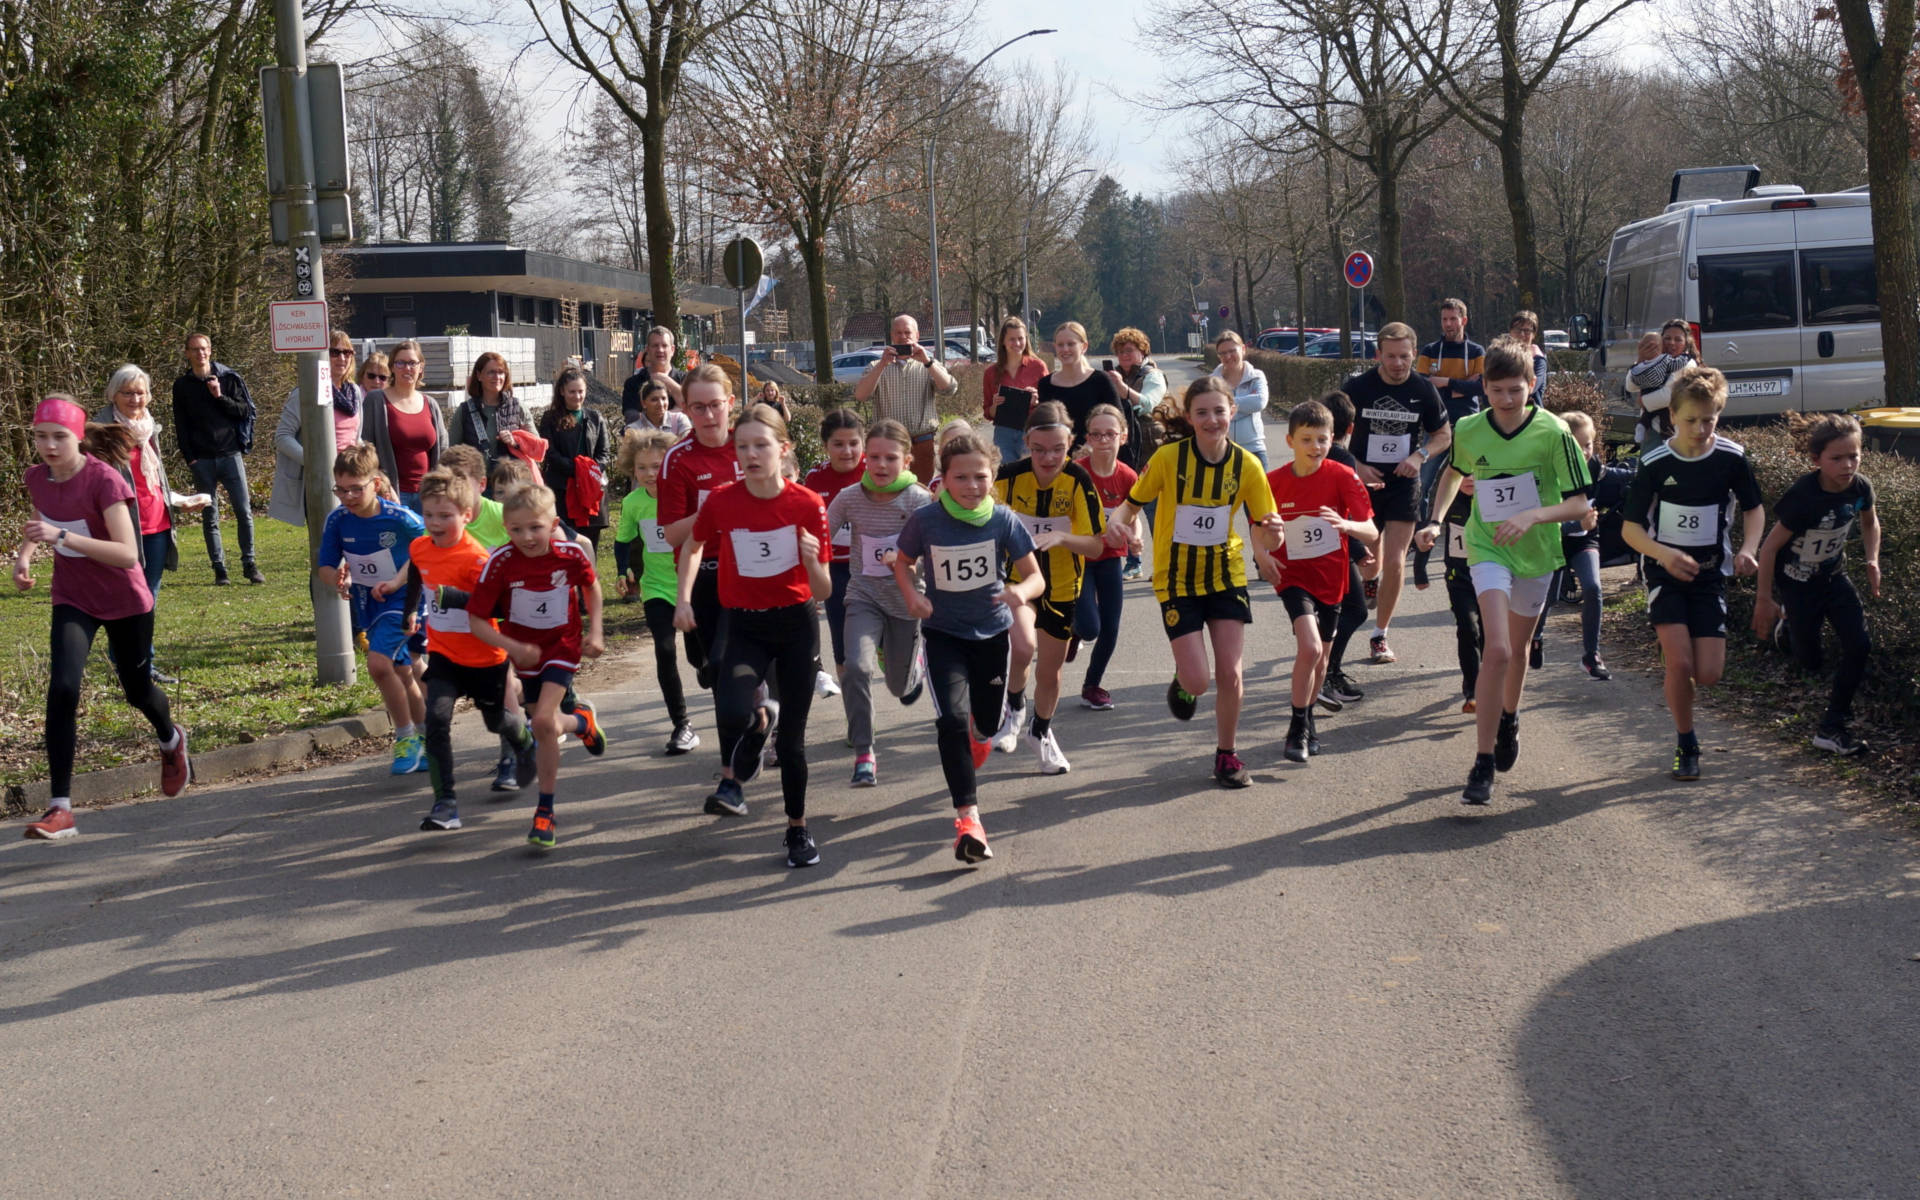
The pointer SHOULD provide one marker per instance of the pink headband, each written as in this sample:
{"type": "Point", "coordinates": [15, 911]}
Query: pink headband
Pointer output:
{"type": "Point", "coordinates": [55, 410]}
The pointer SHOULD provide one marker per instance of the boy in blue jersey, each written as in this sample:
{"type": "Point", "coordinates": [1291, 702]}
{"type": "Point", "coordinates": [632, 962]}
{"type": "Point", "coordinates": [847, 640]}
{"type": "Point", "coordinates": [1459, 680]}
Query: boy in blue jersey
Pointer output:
{"type": "Point", "coordinates": [371, 536]}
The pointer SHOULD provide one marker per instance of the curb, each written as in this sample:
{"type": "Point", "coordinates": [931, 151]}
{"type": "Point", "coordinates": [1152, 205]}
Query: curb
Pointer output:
{"type": "Point", "coordinates": [214, 766]}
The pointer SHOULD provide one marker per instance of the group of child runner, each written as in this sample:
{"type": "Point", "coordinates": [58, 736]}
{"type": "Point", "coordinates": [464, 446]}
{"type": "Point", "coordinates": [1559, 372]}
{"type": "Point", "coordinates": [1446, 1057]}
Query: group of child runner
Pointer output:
{"type": "Point", "coordinates": [982, 583]}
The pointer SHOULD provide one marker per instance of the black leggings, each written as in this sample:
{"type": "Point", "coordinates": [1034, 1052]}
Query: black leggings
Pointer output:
{"type": "Point", "coordinates": [446, 682]}
{"type": "Point", "coordinates": [665, 668]}
{"type": "Point", "coordinates": [130, 643]}
{"type": "Point", "coordinates": [776, 645]}
{"type": "Point", "coordinates": [705, 602]}
{"type": "Point", "coordinates": [964, 677]}
{"type": "Point", "coordinates": [1809, 605]}
{"type": "Point", "coordinates": [1353, 614]}
{"type": "Point", "coordinates": [1467, 635]}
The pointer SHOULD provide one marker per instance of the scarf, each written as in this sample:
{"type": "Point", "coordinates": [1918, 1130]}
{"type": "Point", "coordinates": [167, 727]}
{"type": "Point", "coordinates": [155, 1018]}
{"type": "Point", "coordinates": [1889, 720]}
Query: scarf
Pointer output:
{"type": "Point", "coordinates": [976, 516]}
{"type": "Point", "coordinates": [901, 483]}
{"type": "Point", "coordinates": [346, 398]}
{"type": "Point", "coordinates": [143, 429]}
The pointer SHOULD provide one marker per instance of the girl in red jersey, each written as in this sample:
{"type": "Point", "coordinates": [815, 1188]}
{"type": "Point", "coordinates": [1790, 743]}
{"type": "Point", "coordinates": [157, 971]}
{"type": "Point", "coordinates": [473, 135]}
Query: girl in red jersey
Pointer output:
{"type": "Point", "coordinates": [769, 538]}
{"type": "Point", "coordinates": [695, 467]}
{"type": "Point", "coordinates": [843, 433]}
{"type": "Point", "coordinates": [1096, 618]}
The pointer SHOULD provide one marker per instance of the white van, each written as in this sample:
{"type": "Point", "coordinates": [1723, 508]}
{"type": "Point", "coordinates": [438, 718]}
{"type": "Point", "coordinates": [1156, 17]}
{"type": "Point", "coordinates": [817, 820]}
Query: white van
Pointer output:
{"type": "Point", "coordinates": [1779, 287]}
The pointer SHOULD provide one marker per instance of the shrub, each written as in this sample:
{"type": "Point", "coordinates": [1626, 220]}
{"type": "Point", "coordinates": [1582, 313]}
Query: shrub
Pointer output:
{"type": "Point", "coordinates": [1292, 379]}
{"type": "Point", "coordinates": [1577, 393]}
{"type": "Point", "coordinates": [1577, 362]}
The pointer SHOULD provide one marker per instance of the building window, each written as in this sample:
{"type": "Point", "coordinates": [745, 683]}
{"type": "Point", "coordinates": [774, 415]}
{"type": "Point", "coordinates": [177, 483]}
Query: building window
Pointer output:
{"type": "Point", "coordinates": [549, 312]}
{"type": "Point", "coordinates": [524, 306]}
{"type": "Point", "coordinates": [503, 305]}
{"type": "Point", "coordinates": [396, 304]}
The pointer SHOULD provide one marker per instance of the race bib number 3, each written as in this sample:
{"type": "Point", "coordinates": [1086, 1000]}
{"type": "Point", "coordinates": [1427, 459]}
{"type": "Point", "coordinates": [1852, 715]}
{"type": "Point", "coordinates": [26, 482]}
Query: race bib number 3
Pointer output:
{"type": "Point", "coordinates": [365, 570]}
{"type": "Point", "coordinates": [873, 555]}
{"type": "Point", "coordinates": [1688, 525]}
{"type": "Point", "coordinates": [763, 553]}
{"type": "Point", "coordinates": [1385, 448]}
{"type": "Point", "coordinates": [1202, 525]}
{"type": "Point", "coordinates": [1310, 537]}
{"type": "Point", "coordinates": [653, 539]}
{"type": "Point", "coordinates": [539, 608]}
{"type": "Point", "coordinates": [962, 568]}
{"type": "Point", "coordinates": [1502, 499]}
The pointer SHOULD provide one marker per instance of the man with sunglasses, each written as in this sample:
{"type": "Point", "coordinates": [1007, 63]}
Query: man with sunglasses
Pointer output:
{"type": "Point", "coordinates": [213, 418]}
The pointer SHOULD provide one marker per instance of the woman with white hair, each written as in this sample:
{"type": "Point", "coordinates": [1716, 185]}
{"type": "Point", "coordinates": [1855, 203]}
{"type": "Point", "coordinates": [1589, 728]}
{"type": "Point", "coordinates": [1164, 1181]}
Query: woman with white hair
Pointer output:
{"type": "Point", "coordinates": [129, 402]}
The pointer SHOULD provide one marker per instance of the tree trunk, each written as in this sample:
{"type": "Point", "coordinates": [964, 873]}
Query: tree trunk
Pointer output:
{"type": "Point", "coordinates": [1526, 248]}
{"type": "Point", "coordinates": [1300, 303]}
{"type": "Point", "coordinates": [1881, 69]}
{"type": "Point", "coordinates": [660, 226]}
{"type": "Point", "coordinates": [813, 252]}
{"type": "Point", "coordinates": [1389, 279]}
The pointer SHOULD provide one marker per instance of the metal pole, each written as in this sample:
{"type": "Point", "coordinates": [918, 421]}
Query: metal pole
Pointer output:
{"type": "Point", "coordinates": [333, 637]}
{"type": "Point", "coordinates": [740, 272]}
{"type": "Point", "coordinates": [1026, 301]}
{"type": "Point", "coordinates": [933, 242]}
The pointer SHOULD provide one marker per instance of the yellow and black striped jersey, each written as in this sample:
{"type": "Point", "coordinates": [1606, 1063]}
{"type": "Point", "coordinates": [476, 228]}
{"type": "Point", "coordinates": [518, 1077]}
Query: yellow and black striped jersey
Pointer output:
{"type": "Point", "coordinates": [1070, 504]}
{"type": "Point", "coordinates": [1196, 551]}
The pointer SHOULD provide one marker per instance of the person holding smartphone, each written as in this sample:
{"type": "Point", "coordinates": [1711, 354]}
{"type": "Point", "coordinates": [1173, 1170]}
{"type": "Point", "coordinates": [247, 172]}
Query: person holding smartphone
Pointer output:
{"type": "Point", "coordinates": [1011, 388]}
{"type": "Point", "coordinates": [902, 385]}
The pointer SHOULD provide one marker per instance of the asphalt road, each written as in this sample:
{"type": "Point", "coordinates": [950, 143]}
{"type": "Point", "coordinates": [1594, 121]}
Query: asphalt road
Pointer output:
{"type": "Point", "coordinates": [1335, 983]}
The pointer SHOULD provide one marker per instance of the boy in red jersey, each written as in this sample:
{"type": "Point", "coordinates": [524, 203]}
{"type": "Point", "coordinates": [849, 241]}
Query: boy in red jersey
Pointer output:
{"type": "Point", "coordinates": [1318, 505]}
{"type": "Point", "coordinates": [535, 585]}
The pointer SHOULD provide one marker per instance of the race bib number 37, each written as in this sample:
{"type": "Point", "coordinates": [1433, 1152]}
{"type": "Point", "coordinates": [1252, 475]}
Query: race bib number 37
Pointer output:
{"type": "Point", "coordinates": [962, 568]}
{"type": "Point", "coordinates": [1202, 525]}
{"type": "Point", "coordinates": [1502, 499]}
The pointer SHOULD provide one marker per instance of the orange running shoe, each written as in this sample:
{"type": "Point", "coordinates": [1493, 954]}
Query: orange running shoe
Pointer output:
{"type": "Point", "coordinates": [970, 843]}
{"type": "Point", "coordinates": [981, 750]}
{"type": "Point", "coordinates": [592, 738]}
{"type": "Point", "coordinates": [1468, 707]}
{"type": "Point", "coordinates": [540, 837]}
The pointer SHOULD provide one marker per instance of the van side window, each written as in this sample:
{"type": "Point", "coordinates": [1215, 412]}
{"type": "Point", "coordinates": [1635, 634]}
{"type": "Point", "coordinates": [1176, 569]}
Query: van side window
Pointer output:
{"type": "Point", "coordinates": [1838, 285]}
{"type": "Point", "coordinates": [1747, 291]}
{"type": "Point", "coordinates": [1616, 305]}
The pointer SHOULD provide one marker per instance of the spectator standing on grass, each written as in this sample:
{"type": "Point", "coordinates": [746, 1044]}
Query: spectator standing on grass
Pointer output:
{"type": "Point", "coordinates": [656, 366]}
{"type": "Point", "coordinates": [1010, 388]}
{"type": "Point", "coordinates": [574, 430]}
{"type": "Point", "coordinates": [1249, 384]}
{"type": "Point", "coordinates": [1073, 383]}
{"type": "Point", "coordinates": [1140, 383]}
{"type": "Point", "coordinates": [288, 501]}
{"type": "Point", "coordinates": [774, 398]}
{"type": "Point", "coordinates": [902, 385]}
{"type": "Point", "coordinates": [213, 418]}
{"type": "Point", "coordinates": [490, 410]}
{"type": "Point", "coordinates": [404, 425]}
{"type": "Point", "coordinates": [1523, 328]}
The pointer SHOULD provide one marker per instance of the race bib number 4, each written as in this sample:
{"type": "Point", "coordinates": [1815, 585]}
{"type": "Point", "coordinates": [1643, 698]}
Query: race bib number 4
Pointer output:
{"type": "Point", "coordinates": [1310, 537]}
{"type": "Point", "coordinates": [873, 555]}
{"type": "Point", "coordinates": [365, 570]}
{"type": "Point", "coordinates": [1202, 525]}
{"type": "Point", "coordinates": [539, 608]}
{"type": "Point", "coordinates": [962, 568]}
{"type": "Point", "coordinates": [1821, 545]}
{"type": "Point", "coordinates": [1688, 525]}
{"type": "Point", "coordinates": [763, 553]}
{"type": "Point", "coordinates": [1502, 499]}
{"type": "Point", "coordinates": [1386, 448]}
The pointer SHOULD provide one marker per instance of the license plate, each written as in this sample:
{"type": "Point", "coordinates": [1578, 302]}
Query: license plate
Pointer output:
{"type": "Point", "coordinates": [1756, 387]}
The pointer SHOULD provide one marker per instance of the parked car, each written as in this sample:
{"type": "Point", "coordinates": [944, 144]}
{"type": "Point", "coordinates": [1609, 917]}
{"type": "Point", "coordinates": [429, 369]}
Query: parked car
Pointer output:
{"type": "Point", "coordinates": [956, 350]}
{"type": "Point", "coordinates": [1555, 339]}
{"type": "Point", "coordinates": [850, 366]}
{"type": "Point", "coordinates": [1328, 346]}
{"type": "Point", "coordinates": [1287, 340]}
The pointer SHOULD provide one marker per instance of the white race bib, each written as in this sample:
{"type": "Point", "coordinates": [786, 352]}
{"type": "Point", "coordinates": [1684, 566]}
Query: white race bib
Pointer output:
{"type": "Point", "coordinates": [763, 553]}
{"type": "Point", "coordinates": [365, 570]}
{"type": "Point", "coordinates": [447, 620]}
{"type": "Point", "coordinates": [1109, 510]}
{"type": "Point", "coordinates": [1039, 525]}
{"type": "Point", "coordinates": [653, 539]}
{"type": "Point", "coordinates": [1688, 525]}
{"type": "Point", "coordinates": [1501, 499]}
{"type": "Point", "coordinates": [873, 555]}
{"type": "Point", "coordinates": [1202, 524]}
{"type": "Point", "coordinates": [1386, 448]}
{"type": "Point", "coordinates": [700, 501]}
{"type": "Point", "coordinates": [1310, 537]}
{"type": "Point", "coordinates": [843, 536]}
{"type": "Point", "coordinates": [73, 528]}
{"type": "Point", "coordinates": [963, 568]}
{"type": "Point", "coordinates": [1819, 545]}
{"type": "Point", "coordinates": [539, 608]}
{"type": "Point", "coordinates": [1456, 540]}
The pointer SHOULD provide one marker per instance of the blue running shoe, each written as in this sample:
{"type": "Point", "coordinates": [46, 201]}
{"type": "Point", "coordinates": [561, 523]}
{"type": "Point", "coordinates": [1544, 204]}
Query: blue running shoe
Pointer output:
{"type": "Point", "coordinates": [409, 755]}
{"type": "Point", "coordinates": [445, 815]}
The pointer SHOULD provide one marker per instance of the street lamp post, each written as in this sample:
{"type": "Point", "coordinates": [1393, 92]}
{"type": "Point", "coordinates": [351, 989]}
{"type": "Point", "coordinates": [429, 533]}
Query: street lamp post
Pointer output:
{"type": "Point", "coordinates": [933, 218]}
{"type": "Point", "coordinates": [1026, 301]}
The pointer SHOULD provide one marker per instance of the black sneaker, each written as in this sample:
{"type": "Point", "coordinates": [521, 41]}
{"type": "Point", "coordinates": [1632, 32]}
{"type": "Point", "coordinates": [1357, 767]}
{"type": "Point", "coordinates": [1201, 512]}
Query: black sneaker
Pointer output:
{"type": "Point", "coordinates": [1229, 771]}
{"type": "Point", "coordinates": [1313, 735]}
{"type": "Point", "coordinates": [1179, 703]}
{"type": "Point", "coordinates": [1537, 655]}
{"type": "Point", "coordinates": [727, 800]}
{"type": "Point", "coordinates": [526, 764]}
{"type": "Point", "coordinates": [253, 574]}
{"type": "Point", "coordinates": [801, 852]}
{"type": "Point", "coordinates": [1838, 741]}
{"type": "Point", "coordinates": [1296, 744]}
{"type": "Point", "coordinates": [1506, 744]}
{"type": "Point", "coordinates": [1342, 689]}
{"type": "Point", "coordinates": [1328, 700]}
{"type": "Point", "coordinates": [1686, 763]}
{"type": "Point", "coordinates": [220, 577]}
{"type": "Point", "coordinates": [746, 752]}
{"type": "Point", "coordinates": [1596, 669]}
{"type": "Point", "coordinates": [1479, 789]}
{"type": "Point", "coordinates": [683, 740]}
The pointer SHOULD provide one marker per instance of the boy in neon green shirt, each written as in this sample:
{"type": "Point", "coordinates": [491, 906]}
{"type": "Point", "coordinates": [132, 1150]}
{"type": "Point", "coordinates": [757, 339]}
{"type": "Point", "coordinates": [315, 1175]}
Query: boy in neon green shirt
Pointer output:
{"type": "Point", "coordinates": [1529, 475]}
{"type": "Point", "coordinates": [655, 582]}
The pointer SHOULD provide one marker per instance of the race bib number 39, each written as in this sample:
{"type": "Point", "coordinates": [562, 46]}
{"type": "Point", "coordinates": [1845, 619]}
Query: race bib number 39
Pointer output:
{"type": "Point", "coordinates": [873, 555]}
{"type": "Point", "coordinates": [762, 553]}
{"type": "Point", "coordinates": [962, 568]}
{"type": "Point", "coordinates": [1202, 525]}
{"type": "Point", "coordinates": [539, 608]}
{"type": "Point", "coordinates": [1310, 537]}
{"type": "Point", "coordinates": [1688, 525]}
{"type": "Point", "coordinates": [1502, 499]}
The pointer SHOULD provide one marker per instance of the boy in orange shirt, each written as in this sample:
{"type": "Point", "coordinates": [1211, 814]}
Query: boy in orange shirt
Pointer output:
{"type": "Point", "coordinates": [446, 565]}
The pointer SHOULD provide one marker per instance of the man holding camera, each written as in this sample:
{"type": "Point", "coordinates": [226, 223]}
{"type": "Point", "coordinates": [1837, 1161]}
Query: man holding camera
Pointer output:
{"type": "Point", "coordinates": [902, 386]}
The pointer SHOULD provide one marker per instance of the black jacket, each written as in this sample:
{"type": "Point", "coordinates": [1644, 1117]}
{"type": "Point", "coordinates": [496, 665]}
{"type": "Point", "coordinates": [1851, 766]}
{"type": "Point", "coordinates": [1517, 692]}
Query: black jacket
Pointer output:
{"type": "Point", "coordinates": [587, 437]}
{"type": "Point", "coordinates": [207, 426]}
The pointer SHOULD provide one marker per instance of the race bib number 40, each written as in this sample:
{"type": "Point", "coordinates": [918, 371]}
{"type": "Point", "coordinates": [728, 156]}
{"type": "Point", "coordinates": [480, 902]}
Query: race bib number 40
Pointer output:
{"type": "Point", "coordinates": [1502, 499]}
{"type": "Point", "coordinates": [1310, 537]}
{"type": "Point", "coordinates": [962, 568]}
{"type": "Point", "coordinates": [1688, 525]}
{"type": "Point", "coordinates": [1202, 525]}
{"type": "Point", "coordinates": [762, 553]}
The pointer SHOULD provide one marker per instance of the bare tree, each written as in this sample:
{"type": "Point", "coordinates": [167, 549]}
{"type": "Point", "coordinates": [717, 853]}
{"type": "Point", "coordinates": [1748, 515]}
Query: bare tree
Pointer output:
{"type": "Point", "coordinates": [1587, 178]}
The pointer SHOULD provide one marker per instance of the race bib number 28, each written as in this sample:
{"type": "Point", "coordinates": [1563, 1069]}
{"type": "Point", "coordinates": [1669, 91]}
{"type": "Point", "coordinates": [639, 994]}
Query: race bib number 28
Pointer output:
{"type": "Point", "coordinates": [1688, 524]}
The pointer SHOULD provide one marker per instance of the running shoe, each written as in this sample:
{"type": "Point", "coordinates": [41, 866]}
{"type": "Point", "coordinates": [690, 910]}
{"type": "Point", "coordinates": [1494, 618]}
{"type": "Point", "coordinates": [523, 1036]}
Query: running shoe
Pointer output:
{"type": "Point", "coordinates": [446, 815]}
{"type": "Point", "coordinates": [593, 738]}
{"type": "Point", "coordinates": [801, 852]}
{"type": "Point", "coordinates": [408, 754]}
{"type": "Point", "coordinates": [1053, 761]}
{"type": "Point", "coordinates": [1130, 572]}
{"type": "Point", "coordinates": [1012, 722]}
{"type": "Point", "coordinates": [176, 768]}
{"type": "Point", "coordinates": [1596, 669]}
{"type": "Point", "coordinates": [1095, 698]}
{"type": "Point", "coordinates": [1537, 655]}
{"type": "Point", "coordinates": [1686, 763]}
{"type": "Point", "coordinates": [1371, 589]}
{"type": "Point", "coordinates": [1327, 701]}
{"type": "Point", "coordinates": [53, 825]}
{"type": "Point", "coordinates": [981, 750]}
{"type": "Point", "coordinates": [919, 684]}
{"type": "Point", "coordinates": [825, 684]}
{"type": "Point", "coordinates": [683, 740]}
{"type": "Point", "coordinates": [526, 764]}
{"type": "Point", "coordinates": [1229, 771]}
{"type": "Point", "coordinates": [1180, 703]}
{"type": "Point", "coordinates": [540, 837]}
{"type": "Point", "coordinates": [970, 840]}
{"type": "Point", "coordinates": [161, 677]}
{"type": "Point", "coordinates": [1838, 741]}
{"type": "Point", "coordinates": [1468, 706]}
{"type": "Point", "coordinates": [727, 800]}
{"type": "Point", "coordinates": [1295, 747]}
{"type": "Point", "coordinates": [504, 776]}
{"type": "Point", "coordinates": [865, 771]}
{"type": "Point", "coordinates": [1381, 652]}
{"type": "Point", "coordinates": [1479, 789]}
{"type": "Point", "coordinates": [1506, 743]}
{"type": "Point", "coordinates": [1345, 690]}
{"type": "Point", "coordinates": [746, 752]}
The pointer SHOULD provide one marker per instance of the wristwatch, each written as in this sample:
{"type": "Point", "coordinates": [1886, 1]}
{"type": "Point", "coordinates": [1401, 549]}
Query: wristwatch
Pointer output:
{"type": "Point", "coordinates": [62, 539]}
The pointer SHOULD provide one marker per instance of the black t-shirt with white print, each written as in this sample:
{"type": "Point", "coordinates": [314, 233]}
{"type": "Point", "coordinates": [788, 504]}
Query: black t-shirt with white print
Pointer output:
{"type": "Point", "coordinates": [1389, 417]}
{"type": "Point", "coordinates": [1820, 522]}
{"type": "Point", "coordinates": [1688, 504]}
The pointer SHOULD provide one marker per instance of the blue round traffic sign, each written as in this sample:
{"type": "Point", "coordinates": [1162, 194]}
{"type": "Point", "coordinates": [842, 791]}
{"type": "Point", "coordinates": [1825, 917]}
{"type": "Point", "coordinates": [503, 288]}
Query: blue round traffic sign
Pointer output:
{"type": "Point", "coordinates": [1359, 269]}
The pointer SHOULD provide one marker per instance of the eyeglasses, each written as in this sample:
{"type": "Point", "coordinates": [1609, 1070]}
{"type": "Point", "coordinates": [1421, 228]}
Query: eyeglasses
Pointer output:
{"type": "Point", "coordinates": [1096, 436]}
{"type": "Point", "coordinates": [702, 408]}
{"type": "Point", "coordinates": [408, 363]}
{"type": "Point", "coordinates": [345, 492]}
{"type": "Point", "coordinates": [374, 377]}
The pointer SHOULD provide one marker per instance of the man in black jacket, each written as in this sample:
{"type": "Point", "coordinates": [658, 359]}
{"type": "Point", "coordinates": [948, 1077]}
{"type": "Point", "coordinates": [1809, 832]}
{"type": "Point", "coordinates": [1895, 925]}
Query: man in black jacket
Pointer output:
{"type": "Point", "coordinates": [213, 420]}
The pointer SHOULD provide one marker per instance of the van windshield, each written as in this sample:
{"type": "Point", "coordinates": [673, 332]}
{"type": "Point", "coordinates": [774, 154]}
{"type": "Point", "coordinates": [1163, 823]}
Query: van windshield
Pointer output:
{"type": "Point", "coordinates": [1747, 291]}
